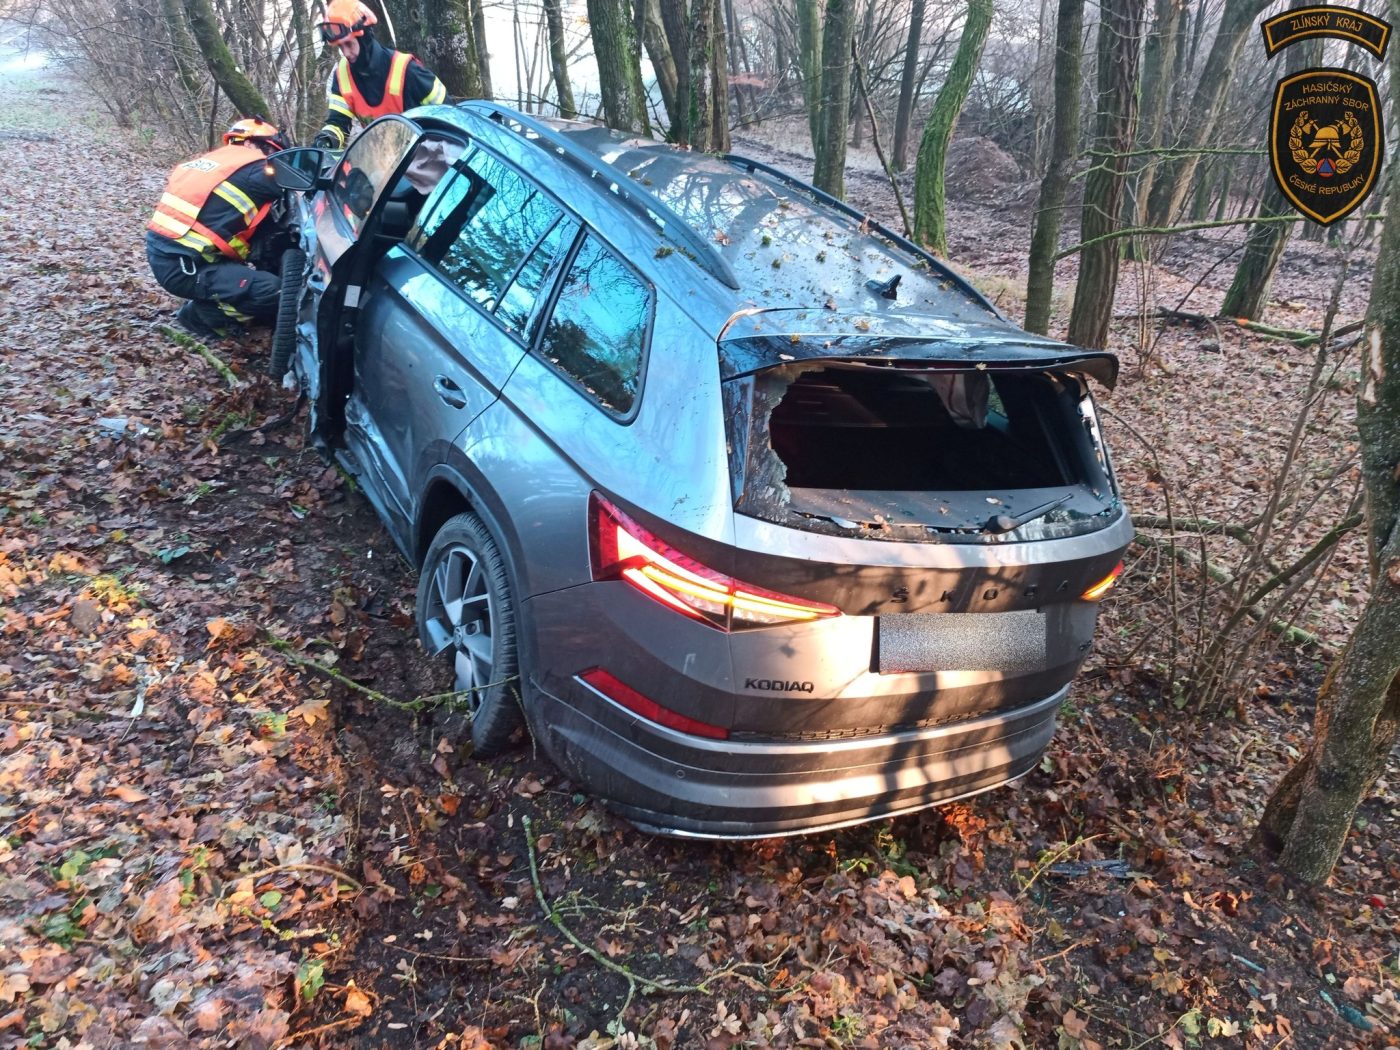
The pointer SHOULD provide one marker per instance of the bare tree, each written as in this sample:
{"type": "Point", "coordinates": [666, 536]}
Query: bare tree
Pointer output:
{"type": "Point", "coordinates": [619, 71]}
{"type": "Point", "coordinates": [930, 220]}
{"type": "Point", "coordinates": [908, 76]}
{"type": "Point", "coordinates": [1120, 40]}
{"type": "Point", "coordinates": [1045, 234]}
{"type": "Point", "coordinates": [559, 58]}
{"type": "Point", "coordinates": [209, 35]}
{"type": "Point", "coordinates": [830, 174]}
{"type": "Point", "coordinates": [1358, 707]}
{"type": "Point", "coordinates": [1173, 177]}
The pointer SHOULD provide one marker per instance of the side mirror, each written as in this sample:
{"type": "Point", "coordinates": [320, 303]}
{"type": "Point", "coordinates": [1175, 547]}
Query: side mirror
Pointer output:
{"type": "Point", "coordinates": [297, 169]}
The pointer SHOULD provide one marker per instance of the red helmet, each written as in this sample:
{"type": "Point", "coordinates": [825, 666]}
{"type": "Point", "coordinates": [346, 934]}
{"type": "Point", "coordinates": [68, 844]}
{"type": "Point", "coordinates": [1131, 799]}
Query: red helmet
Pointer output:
{"type": "Point", "coordinates": [254, 130]}
{"type": "Point", "coordinates": [345, 18]}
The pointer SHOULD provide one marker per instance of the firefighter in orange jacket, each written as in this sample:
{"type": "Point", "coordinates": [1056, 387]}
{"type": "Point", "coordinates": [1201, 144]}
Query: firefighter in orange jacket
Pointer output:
{"type": "Point", "coordinates": [200, 235]}
{"type": "Point", "coordinates": [370, 80]}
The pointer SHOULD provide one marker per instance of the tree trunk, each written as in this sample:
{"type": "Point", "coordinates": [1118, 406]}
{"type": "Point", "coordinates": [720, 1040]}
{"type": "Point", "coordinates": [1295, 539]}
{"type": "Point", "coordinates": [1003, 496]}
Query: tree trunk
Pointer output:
{"type": "Point", "coordinates": [1158, 60]}
{"type": "Point", "coordinates": [663, 62]}
{"type": "Point", "coordinates": [184, 50]}
{"type": "Point", "coordinates": [675, 19]}
{"type": "Point", "coordinates": [1120, 33]}
{"type": "Point", "coordinates": [719, 82]}
{"type": "Point", "coordinates": [1358, 707]}
{"type": "Point", "coordinates": [477, 48]}
{"type": "Point", "coordinates": [830, 174]}
{"type": "Point", "coordinates": [1264, 244]}
{"type": "Point", "coordinates": [559, 58]}
{"type": "Point", "coordinates": [860, 56]}
{"type": "Point", "coordinates": [1045, 235]}
{"type": "Point", "coordinates": [930, 219]}
{"type": "Point", "coordinates": [699, 99]}
{"type": "Point", "coordinates": [809, 46]}
{"type": "Point", "coordinates": [1173, 178]}
{"type": "Point", "coordinates": [441, 33]}
{"type": "Point", "coordinates": [310, 86]}
{"type": "Point", "coordinates": [619, 73]}
{"type": "Point", "coordinates": [904, 113]}
{"type": "Point", "coordinates": [246, 98]}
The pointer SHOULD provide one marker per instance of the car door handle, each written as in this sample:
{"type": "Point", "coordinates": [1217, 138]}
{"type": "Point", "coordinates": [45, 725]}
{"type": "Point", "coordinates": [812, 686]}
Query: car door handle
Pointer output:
{"type": "Point", "coordinates": [450, 392]}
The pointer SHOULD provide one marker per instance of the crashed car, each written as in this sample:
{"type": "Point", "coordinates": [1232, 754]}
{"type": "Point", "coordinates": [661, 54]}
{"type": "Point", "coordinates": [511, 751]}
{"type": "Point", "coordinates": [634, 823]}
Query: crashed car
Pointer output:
{"type": "Point", "coordinates": [760, 517]}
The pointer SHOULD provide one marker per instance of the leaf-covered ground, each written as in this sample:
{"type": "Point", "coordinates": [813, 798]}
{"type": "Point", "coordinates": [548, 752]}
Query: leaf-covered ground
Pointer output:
{"type": "Point", "coordinates": [215, 831]}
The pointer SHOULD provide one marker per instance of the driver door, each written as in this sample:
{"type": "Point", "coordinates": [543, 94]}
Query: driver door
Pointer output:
{"type": "Point", "coordinates": [345, 217]}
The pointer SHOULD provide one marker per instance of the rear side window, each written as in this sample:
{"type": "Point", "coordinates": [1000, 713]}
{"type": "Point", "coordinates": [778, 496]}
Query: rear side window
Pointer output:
{"type": "Point", "coordinates": [597, 335]}
{"type": "Point", "coordinates": [499, 219]}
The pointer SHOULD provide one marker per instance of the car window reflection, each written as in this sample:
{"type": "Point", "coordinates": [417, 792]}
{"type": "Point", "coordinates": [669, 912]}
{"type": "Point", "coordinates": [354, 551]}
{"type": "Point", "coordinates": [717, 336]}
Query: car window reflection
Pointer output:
{"type": "Point", "coordinates": [502, 217]}
{"type": "Point", "coordinates": [598, 330]}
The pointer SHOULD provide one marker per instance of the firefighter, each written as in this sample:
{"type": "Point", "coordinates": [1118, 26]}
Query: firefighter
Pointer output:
{"type": "Point", "coordinates": [370, 80]}
{"type": "Point", "coordinates": [200, 235]}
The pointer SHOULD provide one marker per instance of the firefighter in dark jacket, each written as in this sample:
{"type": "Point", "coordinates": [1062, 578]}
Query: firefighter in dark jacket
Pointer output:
{"type": "Point", "coordinates": [200, 235]}
{"type": "Point", "coordinates": [370, 80]}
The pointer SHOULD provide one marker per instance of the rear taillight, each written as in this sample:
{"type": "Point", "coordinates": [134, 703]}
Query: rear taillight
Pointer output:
{"type": "Point", "coordinates": [1101, 588]}
{"type": "Point", "coordinates": [621, 693]}
{"type": "Point", "coordinates": [623, 550]}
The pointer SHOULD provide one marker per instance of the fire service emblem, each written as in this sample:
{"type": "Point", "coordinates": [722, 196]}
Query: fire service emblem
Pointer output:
{"type": "Point", "coordinates": [1326, 141]}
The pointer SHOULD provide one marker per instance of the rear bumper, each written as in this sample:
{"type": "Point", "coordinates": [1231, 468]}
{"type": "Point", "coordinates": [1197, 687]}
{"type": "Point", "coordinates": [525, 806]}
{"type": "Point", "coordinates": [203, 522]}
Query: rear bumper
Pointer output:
{"type": "Point", "coordinates": [671, 783]}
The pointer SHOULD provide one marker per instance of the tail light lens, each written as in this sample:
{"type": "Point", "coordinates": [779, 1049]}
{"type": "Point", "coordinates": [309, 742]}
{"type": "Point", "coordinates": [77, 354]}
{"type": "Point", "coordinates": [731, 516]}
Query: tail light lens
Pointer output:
{"type": "Point", "coordinates": [1101, 588]}
{"type": "Point", "coordinates": [620, 692]}
{"type": "Point", "coordinates": [624, 550]}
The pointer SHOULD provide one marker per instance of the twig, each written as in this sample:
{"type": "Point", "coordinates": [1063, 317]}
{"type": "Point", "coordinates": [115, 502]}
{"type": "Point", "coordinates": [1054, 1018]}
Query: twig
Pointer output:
{"type": "Point", "coordinates": [1053, 859]}
{"type": "Point", "coordinates": [271, 424]}
{"type": "Point", "coordinates": [1134, 231]}
{"type": "Point", "coordinates": [1287, 632]}
{"type": "Point", "coordinates": [320, 868]}
{"type": "Point", "coordinates": [296, 1037]}
{"type": "Point", "coordinates": [191, 343]}
{"type": "Point", "coordinates": [416, 704]}
{"type": "Point", "coordinates": [633, 980]}
{"type": "Point", "coordinates": [875, 137]}
{"type": "Point", "coordinates": [1153, 521]}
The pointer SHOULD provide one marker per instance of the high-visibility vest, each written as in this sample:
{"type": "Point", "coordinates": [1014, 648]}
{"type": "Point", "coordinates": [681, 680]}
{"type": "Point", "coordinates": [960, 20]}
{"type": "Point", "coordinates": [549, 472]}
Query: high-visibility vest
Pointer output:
{"type": "Point", "coordinates": [392, 102]}
{"type": "Point", "coordinates": [191, 184]}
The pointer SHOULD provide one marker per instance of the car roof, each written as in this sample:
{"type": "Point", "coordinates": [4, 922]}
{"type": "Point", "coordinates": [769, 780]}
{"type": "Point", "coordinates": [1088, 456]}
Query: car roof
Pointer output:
{"type": "Point", "coordinates": [776, 246]}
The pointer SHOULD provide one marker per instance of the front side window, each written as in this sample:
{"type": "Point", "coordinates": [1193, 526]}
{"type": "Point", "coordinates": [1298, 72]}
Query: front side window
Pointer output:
{"type": "Point", "coordinates": [499, 219]}
{"type": "Point", "coordinates": [597, 334]}
{"type": "Point", "coordinates": [364, 171]}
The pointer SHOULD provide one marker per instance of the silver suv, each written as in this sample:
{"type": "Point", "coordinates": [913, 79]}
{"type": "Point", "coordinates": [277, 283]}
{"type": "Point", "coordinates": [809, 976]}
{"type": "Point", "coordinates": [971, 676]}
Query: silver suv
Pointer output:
{"type": "Point", "coordinates": [761, 518]}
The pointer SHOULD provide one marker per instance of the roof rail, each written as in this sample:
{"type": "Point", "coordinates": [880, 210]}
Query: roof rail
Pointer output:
{"type": "Point", "coordinates": [935, 263]}
{"type": "Point", "coordinates": [644, 204]}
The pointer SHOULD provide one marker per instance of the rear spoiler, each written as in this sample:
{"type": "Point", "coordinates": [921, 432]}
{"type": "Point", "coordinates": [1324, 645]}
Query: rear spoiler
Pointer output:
{"type": "Point", "coordinates": [740, 357]}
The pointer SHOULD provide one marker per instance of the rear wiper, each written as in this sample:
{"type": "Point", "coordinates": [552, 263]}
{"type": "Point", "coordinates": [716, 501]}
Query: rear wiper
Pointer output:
{"type": "Point", "coordinates": [999, 523]}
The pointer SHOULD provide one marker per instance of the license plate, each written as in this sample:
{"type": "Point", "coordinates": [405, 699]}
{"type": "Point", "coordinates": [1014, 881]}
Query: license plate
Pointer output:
{"type": "Point", "coordinates": [1010, 642]}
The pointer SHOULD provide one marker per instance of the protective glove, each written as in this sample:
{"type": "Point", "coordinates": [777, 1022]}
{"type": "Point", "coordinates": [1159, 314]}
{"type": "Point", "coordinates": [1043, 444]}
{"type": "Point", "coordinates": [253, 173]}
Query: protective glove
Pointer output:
{"type": "Point", "coordinates": [325, 140]}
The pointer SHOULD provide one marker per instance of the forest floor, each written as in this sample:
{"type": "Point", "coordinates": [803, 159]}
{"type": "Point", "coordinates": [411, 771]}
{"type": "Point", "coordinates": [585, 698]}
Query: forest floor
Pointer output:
{"type": "Point", "coordinates": [207, 841]}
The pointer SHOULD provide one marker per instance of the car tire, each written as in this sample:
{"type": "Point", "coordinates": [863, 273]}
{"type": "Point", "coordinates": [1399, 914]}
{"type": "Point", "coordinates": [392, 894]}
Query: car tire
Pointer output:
{"type": "Point", "coordinates": [466, 613]}
{"type": "Point", "coordinates": [284, 332]}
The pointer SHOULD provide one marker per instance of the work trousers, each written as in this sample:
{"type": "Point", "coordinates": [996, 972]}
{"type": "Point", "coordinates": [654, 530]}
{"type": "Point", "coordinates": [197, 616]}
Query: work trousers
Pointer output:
{"type": "Point", "coordinates": [222, 292]}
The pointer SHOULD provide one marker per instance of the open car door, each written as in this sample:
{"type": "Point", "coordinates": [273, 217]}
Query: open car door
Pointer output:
{"type": "Point", "coordinates": [352, 216]}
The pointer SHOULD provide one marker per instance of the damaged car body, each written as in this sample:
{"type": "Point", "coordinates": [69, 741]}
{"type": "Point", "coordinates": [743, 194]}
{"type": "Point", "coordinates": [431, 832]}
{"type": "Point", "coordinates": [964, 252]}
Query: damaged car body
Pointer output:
{"type": "Point", "coordinates": [761, 518]}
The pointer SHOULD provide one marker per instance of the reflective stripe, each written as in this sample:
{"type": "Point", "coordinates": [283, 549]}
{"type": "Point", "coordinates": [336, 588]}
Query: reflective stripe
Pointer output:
{"type": "Point", "coordinates": [179, 204]}
{"type": "Point", "coordinates": [436, 95]}
{"type": "Point", "coordinates": [176, 228]}
{"type": "Point", "coordinates": [343, 80]}
{"type": "Point", "coordinates": [240, 200]}
{"type": "Point", "coordinates": [203, 245]}
{"type": "Point", "coordinates": [398, 72]}
{"type": "Point", "coordinates": [231, 312]}
{"type": "Point", "coordinates": [338, 106]}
